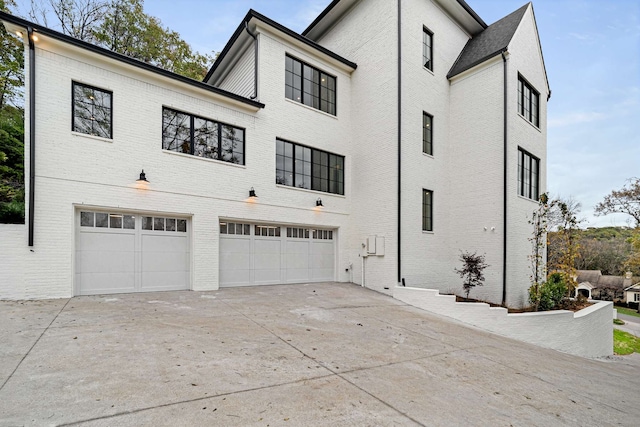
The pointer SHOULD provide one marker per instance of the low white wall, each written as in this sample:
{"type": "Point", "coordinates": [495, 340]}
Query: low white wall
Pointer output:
{"type": "Point", "coordinates": [586, 333]}
{"type": "Point", "coordinates": [13, 261]}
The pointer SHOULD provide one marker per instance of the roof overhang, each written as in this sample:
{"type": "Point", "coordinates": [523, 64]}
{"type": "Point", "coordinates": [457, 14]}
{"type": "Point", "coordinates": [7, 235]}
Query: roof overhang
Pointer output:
{"type": "Point", "coordinates": [255, 21]}
{"type": "Point", "coordinates": [14, 24]}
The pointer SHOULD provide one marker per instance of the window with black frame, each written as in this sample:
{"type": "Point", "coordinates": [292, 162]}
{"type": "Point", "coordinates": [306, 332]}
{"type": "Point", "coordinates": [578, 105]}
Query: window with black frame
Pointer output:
{"type": "Point", "coordinates": [92, 110]}
{"type": "Point", "coordinates": [528, 175]}
{"type": "Point", "coordinates": [201, 137]}
{"type": "Point", "coordinates": [427, 49]}
{"type": "Point", "coordinates": [427, 133]}
{"type": "Point", "coordinates": [427, 210]}
{"type": "Point", "coordinates": [310, 86]}
{"type": "Point", "coordinates": [528, 101]}
{"type": "Point", "coordinates": [309, 168]}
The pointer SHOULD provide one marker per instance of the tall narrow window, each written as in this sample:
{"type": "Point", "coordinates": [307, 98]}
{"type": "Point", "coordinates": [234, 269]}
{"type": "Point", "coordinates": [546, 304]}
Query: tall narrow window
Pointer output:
{"type": "Point", "coordinates": [189, 134]}
{"type": "Point", "coordinates": [427, 210]}
{"type": "Point", "coordinates": [427, 49]}
{"type": "Point", "coordinates": [528, 101]}
{"type": "Point", "coordinates": [92, 110]}
{"type": "Point", "coordinates": [304, 167]}
{"type": "Point", "coordinates": [309, 86]}
{"type": "Point", "coordinates": [427, 133]}
{"type": "Point", "coordinates": [528, 175]}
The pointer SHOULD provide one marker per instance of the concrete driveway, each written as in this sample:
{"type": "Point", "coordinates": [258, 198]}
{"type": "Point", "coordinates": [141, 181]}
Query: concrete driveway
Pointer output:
{"type": "Point", "coordinates": [299, 355]}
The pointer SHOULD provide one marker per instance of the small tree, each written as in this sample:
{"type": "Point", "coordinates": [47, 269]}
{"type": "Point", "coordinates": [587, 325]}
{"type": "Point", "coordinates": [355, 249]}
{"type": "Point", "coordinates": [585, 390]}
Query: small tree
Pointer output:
{"type": "Point", "coordinates": [471, 271]}
{"type": "Point", "coordinates": [540, 219]}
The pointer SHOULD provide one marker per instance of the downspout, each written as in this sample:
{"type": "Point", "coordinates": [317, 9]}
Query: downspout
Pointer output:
{"type": "Point", "coordinates": [32, 132]}
{"type": "Point", "coordinates": [399, 141]}
{"type": "Point", "coordinates": [255, 60]}
{"type": "Point", "coordinates": [504, 187]}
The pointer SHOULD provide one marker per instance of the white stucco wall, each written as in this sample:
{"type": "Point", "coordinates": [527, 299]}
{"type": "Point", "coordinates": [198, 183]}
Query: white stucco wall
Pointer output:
{"type": "Point", "coordinates": [586, 333]}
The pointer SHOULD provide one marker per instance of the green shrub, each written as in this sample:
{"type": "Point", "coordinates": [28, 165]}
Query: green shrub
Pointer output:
{"type": "Point", "coordinates": [12, 212]}
{"type": "Point", "coordinates": [548, 295]}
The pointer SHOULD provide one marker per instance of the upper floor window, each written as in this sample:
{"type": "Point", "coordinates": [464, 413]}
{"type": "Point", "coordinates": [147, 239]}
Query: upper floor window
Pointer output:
{"type": "Point", "coordinates": [92, 110]}
{"type": "Point", "coordinates": [528, 101]}
{"type": "Point", "coordinates": [528, 175]}
{"type": "Point", "coordinates": [427, 49]}
{"type": "Point", "coordinates": [189, 134]}
{"type": "Point", "coordinates": [310, 86]}
{"type": "Point", "coordinates": [427, 133]}
{"type": "Point", "coordinates": [427, 210]}
{"type": "Point", "coordinates": [304, 167]}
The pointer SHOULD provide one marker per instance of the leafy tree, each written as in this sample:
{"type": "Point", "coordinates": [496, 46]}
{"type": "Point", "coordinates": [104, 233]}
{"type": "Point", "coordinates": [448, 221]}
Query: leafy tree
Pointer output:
{"type": "Point", "coordinates": [471, 272]}
{"type": "Point", "coordinates": [11, 63]}
{"type": "Point", "coordinates": [11, 165]}
{"type": "Point", "coordinates": [123, 27]}
{"type": "Point", "coordinates": [565, 220]}
{"type": "Point", "coordinates": [626, 200]}
{"type": "Point", "coordinates": [633, 261]}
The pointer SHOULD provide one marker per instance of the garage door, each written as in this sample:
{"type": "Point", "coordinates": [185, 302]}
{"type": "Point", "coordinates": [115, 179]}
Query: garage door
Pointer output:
{"type": "Point", "coordinates": [253, 254]}
{"type": "Point", "coordinates": [123, 252]}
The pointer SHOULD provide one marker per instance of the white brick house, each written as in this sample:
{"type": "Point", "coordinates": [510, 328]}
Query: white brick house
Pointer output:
{"type": "Point", "coordinates": [420, 130]}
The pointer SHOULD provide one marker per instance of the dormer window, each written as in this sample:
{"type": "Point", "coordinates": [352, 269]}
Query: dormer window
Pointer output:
{"type": "Point", "coordinates": [310, 86]}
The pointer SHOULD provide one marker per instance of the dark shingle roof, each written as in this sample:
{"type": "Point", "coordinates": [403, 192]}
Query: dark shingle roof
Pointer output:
{"type": "Point", "coordinates": [489, 43]}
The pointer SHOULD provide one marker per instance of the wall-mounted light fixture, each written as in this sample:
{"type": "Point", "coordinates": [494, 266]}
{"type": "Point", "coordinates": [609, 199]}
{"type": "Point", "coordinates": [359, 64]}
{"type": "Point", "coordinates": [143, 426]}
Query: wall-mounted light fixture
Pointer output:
{"type": "Point", "coordinates": [143, 177]}
{"type": "Point", "coordinates": [19, 34]}
{"type": "Point", "coordinates": [319, 202]}
{"type": "Point", "coordinates": [252, 193]}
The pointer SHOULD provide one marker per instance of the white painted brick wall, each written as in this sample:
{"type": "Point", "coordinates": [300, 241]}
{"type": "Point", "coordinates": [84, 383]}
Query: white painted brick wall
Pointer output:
{"type": "Point", "coordinates": [586, 333]}
{"type": "Point", "coordinates": [74, 169]}
{"type": "Point", "coordinates": [465, 171]}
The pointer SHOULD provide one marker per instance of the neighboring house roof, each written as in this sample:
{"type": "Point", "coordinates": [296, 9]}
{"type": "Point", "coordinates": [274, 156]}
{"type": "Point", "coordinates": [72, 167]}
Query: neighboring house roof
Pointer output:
{"type": "Point", "coordinates": [635, 287]}
{"type": "Point", "coordinates": [599, 281]}
{"type": "Point", "coordinates": [493, 41]}
{"type": "Point", "coordinates": [252, 14]}
{"type": "Point", "coordinates": [19, 22]}
{"type": "Point", "coordinates": [611, 282]}
{"type": "Point", "coordinates": [591, 276]}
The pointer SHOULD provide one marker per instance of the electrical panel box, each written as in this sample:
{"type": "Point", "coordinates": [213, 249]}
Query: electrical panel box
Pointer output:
{"type": "Point", "coordinates": [371, 245]}
{"type": "Point", "coordinates": [375, 245]}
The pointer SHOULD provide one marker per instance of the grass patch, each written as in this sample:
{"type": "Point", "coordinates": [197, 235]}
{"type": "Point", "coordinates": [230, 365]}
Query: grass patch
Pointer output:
{"type": "Point", "coordinates": [627, 311]}
{"type": "Point", "coordinates": [624, 343]}
{"type": "Point", "coordinates": [618, 322]}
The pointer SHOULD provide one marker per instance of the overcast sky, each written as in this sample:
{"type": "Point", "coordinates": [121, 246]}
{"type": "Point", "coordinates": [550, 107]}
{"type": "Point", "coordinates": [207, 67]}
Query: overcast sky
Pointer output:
{"type": "Point", "coordinates": [592, 54]}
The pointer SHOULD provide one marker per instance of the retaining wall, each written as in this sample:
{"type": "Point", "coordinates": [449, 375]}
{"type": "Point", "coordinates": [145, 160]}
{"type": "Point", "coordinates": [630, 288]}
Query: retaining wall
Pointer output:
{"type": "Point", "coordinates": [586, 333]}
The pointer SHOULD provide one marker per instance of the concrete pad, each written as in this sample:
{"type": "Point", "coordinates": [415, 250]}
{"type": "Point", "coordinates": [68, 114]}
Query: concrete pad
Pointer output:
{"type": "Point", "coordinates": [321, 354]}
{"type": "Point", "coordinates": [305, 403]}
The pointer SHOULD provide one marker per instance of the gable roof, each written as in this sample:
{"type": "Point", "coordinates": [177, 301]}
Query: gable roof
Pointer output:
{"type": "Point", "coordinates": [491, 42]}
{"type": "Point", "coordinates": [38, 29]}
{"type": "Point", "coordinates": [337, 8]}
{"type": "Point", "coordinates": [252, 14]}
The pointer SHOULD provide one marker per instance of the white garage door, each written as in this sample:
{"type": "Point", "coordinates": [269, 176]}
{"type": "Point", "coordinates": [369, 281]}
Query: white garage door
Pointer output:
{"type": "Point", "coordinates": [122, 253]}
{"type": "Point", "coordinates": [252, 254]}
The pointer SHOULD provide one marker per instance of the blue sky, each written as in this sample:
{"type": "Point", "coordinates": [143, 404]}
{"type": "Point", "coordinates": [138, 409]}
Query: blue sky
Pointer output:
{"type": "Point", "coordinates": [592, 54]}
